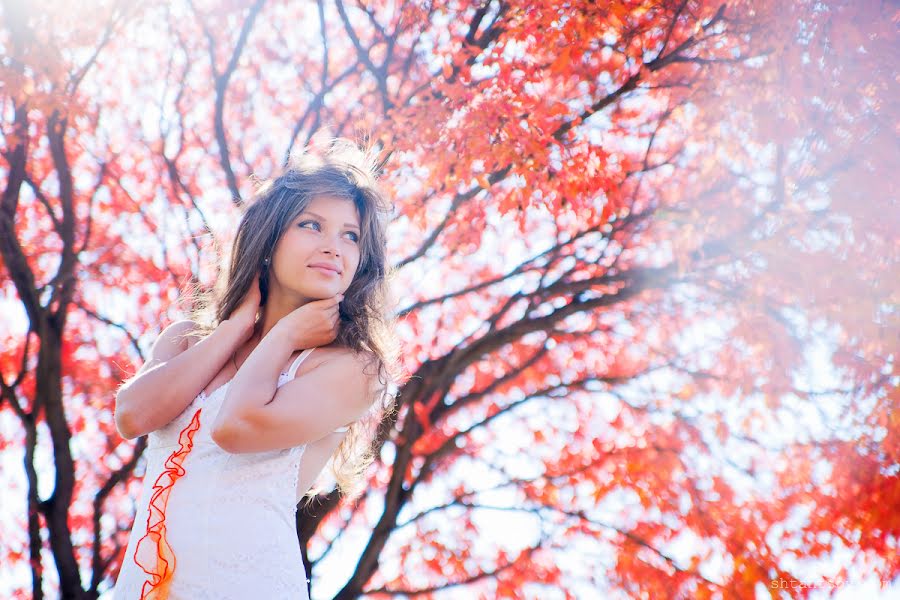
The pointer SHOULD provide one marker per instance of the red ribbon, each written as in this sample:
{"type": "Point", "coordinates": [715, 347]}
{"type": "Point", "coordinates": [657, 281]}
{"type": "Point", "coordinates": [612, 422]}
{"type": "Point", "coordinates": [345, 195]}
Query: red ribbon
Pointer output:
{"type": "Point", "coordinates": [154, 541]}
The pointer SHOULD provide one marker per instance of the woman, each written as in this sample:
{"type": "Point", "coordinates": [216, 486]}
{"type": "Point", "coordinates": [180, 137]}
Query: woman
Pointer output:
{"type": "Point", "coordinates": [232, 407]}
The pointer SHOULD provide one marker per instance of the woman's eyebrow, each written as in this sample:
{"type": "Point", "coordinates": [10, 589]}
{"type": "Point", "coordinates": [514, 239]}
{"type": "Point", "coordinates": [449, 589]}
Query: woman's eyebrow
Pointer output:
{"type": "Point", "coordinates": [307, 212]}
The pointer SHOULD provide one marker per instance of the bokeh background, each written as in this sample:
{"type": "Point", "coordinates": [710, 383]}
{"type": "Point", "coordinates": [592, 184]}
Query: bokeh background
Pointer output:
{"type": "Point", "coordinates": [647, 281]}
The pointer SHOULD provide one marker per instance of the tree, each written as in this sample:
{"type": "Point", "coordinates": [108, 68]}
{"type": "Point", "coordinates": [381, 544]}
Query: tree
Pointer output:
{"type": "Point", "coordinates": [645, 256]}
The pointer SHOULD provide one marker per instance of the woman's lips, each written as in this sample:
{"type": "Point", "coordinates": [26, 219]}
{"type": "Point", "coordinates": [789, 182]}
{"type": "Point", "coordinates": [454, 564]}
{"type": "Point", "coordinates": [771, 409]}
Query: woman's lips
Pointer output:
{"type": "Point", "coordinates": [326, 271]}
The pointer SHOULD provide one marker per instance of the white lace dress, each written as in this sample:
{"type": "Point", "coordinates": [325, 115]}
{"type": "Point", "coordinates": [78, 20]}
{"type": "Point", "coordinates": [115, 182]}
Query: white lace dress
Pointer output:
{"type": "Point", "coordinates": [214, 525]}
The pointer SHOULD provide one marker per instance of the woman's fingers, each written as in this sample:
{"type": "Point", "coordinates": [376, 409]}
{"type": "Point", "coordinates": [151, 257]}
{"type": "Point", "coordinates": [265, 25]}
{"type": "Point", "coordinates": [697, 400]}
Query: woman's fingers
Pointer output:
{"type": "Point", "coordinates": [330, 302]}
{"type": "Point", "coordinates": [321, 318]}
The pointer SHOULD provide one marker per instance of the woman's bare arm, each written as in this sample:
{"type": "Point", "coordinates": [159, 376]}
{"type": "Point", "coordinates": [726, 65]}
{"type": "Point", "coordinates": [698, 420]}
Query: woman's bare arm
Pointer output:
{"type": "Point", "coordinates": [173, 376]}
{"type": "Point", "coordinates": [302, 411]}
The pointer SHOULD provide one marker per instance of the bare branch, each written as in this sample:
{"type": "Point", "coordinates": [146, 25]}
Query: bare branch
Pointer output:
{"type": "Point", "coordinates": [116, 18]}
{"type": "Point", "coordinates": [120, 475]}
{"type": "Point", "coordinates": [221, 87]}
{"type": "Point", "coordinates": [131, 337]}
{"type": "Point", "coordinates": [379, 72]}
{"type": "Point", "coordinates": [42, 198]}
{"type": "Point", "coordinates": [524, 555]}
{"type": "Point", "coordinates": [458, 200]}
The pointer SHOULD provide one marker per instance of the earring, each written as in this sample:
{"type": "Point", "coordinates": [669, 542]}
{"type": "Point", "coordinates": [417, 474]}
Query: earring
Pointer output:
{"type": "Point", "coordinates": [266, 261]}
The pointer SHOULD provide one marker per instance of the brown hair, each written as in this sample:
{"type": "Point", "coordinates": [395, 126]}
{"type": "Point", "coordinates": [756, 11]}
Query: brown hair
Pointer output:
{"type": "Point", "coordinates": [343, 170]}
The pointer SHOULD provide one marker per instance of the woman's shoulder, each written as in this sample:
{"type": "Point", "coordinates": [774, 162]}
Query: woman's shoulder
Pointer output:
{"type": "Point", "coordinates": [180, 335]}
{"type": "Point", "coordinates": [172, 341]}
{"type": "Point", "coordinates": [344, 353]}
{"type": "Point", "coordinates": [358, 360]}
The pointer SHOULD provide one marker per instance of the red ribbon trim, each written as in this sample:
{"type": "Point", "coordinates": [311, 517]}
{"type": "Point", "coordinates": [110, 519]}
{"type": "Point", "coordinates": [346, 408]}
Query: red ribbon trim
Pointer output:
{"type": "Point", "coordinates": [157, 585]}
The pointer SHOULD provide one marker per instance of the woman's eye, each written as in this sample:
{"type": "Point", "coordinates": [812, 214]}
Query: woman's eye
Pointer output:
{"type": "Point", "coordinates": [318, 226]}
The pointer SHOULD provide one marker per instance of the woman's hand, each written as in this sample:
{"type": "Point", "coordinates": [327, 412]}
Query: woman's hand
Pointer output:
{"type": "Point", "coordinates": [245, 313]}
{"type": "Point", "coordinates": [315, 323]}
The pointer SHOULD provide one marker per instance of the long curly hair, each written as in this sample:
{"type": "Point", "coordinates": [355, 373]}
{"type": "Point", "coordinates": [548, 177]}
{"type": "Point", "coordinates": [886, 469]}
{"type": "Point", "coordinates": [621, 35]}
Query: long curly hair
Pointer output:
{"type": "Point", "coordinates": [342, 170]}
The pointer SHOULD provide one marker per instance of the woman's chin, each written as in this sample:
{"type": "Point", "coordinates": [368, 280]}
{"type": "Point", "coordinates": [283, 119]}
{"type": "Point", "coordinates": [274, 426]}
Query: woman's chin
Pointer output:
{"type": "Point", "coordinates": [322, 294]}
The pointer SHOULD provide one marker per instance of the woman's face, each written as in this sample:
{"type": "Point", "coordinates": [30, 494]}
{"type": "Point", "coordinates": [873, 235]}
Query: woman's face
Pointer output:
{"type": "Point", "coordinates": [318, 253]}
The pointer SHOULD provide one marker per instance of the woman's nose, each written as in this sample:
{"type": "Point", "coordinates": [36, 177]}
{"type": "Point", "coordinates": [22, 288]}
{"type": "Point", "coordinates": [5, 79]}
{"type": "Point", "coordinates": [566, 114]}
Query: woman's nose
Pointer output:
{"type": "Point", "coordinates": [332, 244]}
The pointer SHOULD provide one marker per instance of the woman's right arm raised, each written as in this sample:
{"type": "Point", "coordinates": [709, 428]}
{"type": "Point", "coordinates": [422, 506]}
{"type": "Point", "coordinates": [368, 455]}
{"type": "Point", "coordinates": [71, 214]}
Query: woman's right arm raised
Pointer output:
{"type": "Point", "coordinates": [176, 372]}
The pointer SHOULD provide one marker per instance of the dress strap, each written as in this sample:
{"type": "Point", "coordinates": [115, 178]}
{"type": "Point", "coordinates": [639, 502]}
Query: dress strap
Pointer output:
{"type": "Point", "coordinates": [294, 365]}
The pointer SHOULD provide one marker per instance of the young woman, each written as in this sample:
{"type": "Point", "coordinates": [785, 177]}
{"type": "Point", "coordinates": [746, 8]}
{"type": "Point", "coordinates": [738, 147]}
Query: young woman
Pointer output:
{"type": "Point", "coordinates": [241, 414]}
